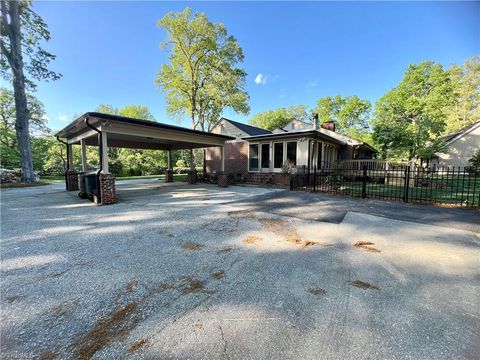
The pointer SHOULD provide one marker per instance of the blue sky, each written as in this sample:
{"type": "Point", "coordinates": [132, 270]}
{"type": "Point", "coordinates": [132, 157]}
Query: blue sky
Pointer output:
{"type": "Point", "coordinates": [108, 52]}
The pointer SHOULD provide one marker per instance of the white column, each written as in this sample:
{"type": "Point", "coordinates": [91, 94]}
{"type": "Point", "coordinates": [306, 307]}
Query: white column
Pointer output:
{"type": "Point", "coordinates": [222, 159]}
{"type": "Point", "coordinates": [70, 157]}
{"type": "Point", "coordinates": [84, 155]}
{"type": "Point", "coordinates": [104, 153]}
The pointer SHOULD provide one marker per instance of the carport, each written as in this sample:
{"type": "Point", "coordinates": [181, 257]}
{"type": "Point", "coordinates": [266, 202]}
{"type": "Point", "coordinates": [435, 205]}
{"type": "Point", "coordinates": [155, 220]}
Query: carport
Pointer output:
{"type": "Point", "coordinates": [106, 130]}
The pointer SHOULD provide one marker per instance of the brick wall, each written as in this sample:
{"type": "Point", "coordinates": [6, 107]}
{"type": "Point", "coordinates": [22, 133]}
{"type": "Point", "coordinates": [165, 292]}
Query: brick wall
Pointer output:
{"type": "Point", "coordinates": [72, 180]}
{"type": "Point", "coordinates": [236, 158]}
{"type": "Point", "coordinates": [107, 189]}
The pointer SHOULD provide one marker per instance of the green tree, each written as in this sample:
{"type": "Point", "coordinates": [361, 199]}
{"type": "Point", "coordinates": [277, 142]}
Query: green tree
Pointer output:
{"type": "Point", "coordinates": [22, 34]}
{"type": "Point", "coordinates": [278, 118]}
{"type": "Point", "coordinates": [350, 114]}
{"type": "Point", "coordinates": [9, 151]}
{"type": "Point", "coordinates": [466, 108]}
{"type": "Point", "coordinates": [202, 78]}
{"type": "Point", "coordinates": [411, 116]}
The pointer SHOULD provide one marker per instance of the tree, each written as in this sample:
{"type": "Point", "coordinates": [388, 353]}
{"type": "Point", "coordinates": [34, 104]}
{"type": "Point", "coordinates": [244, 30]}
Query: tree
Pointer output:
{"type": "Point", "coordinates": [10, 153]}
{"type": "Point", "coordinates": [202, 78]}
{"type": "Point", "coordinates": [278, 118]}
{"type": "Point", "coordinates": [466, 108]}
{"type": "Point", "coordinates": [350, 114]}
{"type": "Point", "coordinates": [412, 115]}
{"type": "Point", "coordinates": [22, 32]}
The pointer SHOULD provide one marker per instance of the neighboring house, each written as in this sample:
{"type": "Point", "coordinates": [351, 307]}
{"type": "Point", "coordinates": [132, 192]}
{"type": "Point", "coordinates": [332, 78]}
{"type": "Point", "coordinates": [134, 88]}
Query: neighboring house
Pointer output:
{"type": "Point", "coordinates": [259, 154]}
{"type": "Point", "coordinates": [460, 147]}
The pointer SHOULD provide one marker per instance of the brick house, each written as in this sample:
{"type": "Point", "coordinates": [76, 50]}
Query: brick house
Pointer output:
{"type": "Point", "coordinates": [257, 155]}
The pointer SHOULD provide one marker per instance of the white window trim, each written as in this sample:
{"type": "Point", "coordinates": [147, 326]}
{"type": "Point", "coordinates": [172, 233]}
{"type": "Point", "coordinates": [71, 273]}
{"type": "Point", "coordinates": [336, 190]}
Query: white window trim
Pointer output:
{"type": "Point", "coordinates": [258, 157]}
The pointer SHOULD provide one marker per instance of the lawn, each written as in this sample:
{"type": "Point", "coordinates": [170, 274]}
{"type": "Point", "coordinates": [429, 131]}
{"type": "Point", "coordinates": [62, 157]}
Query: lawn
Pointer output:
{"type": "Point", "coordinates": [446, 191]}
{"type": "Point", "coordinates": [60, 178]}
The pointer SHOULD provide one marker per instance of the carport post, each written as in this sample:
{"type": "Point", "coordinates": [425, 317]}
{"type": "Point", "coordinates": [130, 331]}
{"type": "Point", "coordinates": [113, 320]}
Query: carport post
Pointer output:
{"type": "Point", "coordinates": [222, 159]}
{"type": "Point", "coordinates": [104, 153]}
{"type": "Point", "coordinates": [69, 157]}
{"type": "Point", "coordinates": [169, 171]}
{"type": "Point", "coordinates": [192, 174]}
{"type": "Point", "coordinates": [84, 155]}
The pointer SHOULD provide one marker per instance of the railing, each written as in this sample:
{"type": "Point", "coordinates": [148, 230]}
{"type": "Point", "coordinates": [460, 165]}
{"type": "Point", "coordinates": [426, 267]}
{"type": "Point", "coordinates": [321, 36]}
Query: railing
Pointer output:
{"type": "Point", "coordinates": [459, 186]}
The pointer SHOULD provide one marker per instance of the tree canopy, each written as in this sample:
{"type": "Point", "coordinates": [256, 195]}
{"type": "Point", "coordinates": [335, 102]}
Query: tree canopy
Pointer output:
{"type": "Point", "coordinates": [465, 109]}
{"type": "Point", "coordinates": [278, 118]}
{"type": "Point", "coordinates": [350, 114]}
{"type": "Point", "coordinates": [202, 77]}
{"type": "Point", "coordinates": [409, 117]}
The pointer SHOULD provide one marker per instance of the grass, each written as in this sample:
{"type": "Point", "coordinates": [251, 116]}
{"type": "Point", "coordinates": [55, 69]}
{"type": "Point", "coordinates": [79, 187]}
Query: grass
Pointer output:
{"type": "Point", "coordinates": [442, 191]}
{"type": "Point", "coordinates": [55, 179]}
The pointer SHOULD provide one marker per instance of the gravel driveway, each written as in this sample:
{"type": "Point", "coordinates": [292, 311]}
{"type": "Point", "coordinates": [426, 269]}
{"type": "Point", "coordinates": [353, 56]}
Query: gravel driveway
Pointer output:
{"type": "Point", "coordinates": [175, 271]}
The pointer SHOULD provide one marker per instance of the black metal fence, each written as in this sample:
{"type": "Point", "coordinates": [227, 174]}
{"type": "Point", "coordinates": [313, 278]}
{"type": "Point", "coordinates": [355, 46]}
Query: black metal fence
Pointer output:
{"type": "Point", "coordinates": [455, 186]}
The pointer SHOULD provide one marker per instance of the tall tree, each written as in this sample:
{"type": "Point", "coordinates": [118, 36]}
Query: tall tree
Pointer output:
{"type": "Point", "coordinates": [412, 115]}
{"type": "Point", "coordinates": [22, 31]}
{"type": "Point", "coordinates": [9, 150]}
{"type": "Point", "coordinates": [202, 78]}
{"type": "Point", "coordinates": [350, 114]}
{"type": "Point", "coordinates": [466, 108]}
{"type": "Point", "coordinates": [278, 118]}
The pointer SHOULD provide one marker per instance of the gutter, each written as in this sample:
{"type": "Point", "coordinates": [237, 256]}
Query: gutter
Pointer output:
{"type": "Point", "coordinates": [100, 151]}
{"type": "Point", "coordinates": [68, 160]}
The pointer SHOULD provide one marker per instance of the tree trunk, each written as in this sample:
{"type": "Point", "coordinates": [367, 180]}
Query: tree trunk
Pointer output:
{"type": "Point", "coordinates": [21, 108]}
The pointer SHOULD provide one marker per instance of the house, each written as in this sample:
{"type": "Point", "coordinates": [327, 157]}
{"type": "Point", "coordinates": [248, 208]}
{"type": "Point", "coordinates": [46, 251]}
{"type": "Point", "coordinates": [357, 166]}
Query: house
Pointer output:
{"type": "Point", "coordinates": [460, 147]}
{"type": "Point", "coordinates": [260, 154]}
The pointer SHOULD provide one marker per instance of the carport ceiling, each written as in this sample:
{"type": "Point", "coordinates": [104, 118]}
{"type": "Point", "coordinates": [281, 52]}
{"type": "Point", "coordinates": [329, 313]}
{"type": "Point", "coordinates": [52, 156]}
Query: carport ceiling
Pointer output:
{"type": "Point", "coordinates": [137, 133]}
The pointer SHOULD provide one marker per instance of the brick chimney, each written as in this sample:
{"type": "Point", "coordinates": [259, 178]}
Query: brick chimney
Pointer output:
{"type": "Point", "coordinates": [315, 121]}
{"type": "Point", "coordinates": [329, 125]}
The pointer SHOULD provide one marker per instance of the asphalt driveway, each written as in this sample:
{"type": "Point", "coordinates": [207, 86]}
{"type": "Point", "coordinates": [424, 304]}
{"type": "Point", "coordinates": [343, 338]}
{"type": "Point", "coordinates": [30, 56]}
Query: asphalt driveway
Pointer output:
{"type": "Point", "coordinates": [175, 271]}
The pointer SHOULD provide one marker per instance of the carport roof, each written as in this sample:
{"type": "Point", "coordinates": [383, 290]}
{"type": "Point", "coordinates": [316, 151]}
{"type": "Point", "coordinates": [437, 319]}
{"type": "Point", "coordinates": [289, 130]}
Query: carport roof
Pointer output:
{"type": "Point", "coordinates": [137, 133]}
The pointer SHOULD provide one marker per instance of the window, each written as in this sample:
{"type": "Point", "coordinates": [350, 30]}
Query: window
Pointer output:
{"type": "Point", "coordinates": [319, 155]}
{"type": "Point", "coordinates": [292, 152]}
{"type": "Point", "coordinates": [253, 157]}
{"type": "Point", "coordinates": [265, 156]}
{"type": "Point", "coordinates": [277, 155]}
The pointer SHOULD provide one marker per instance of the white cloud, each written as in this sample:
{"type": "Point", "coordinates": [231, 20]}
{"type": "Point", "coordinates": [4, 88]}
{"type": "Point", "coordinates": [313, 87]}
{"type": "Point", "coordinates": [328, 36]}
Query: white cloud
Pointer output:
{"type": "Point", "coordinates": [282, 93]}
{"type": "Point", "coordinates": [63, 117]}
{"type": "Point", "coordinates": [261, 79]}
{"type": "Point", "coordinates": [312, 84]}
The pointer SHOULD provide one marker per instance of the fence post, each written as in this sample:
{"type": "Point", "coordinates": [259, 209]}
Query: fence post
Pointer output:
{"type": "Point", "coordinates": [364, 182]}
{"type": "Point", "coordinates": [406, 184]}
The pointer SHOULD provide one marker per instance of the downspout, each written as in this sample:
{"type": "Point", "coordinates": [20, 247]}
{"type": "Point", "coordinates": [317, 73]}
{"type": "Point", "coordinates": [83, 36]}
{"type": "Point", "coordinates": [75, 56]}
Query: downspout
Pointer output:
{"type": "Point", "coordinates": [68, 161]}
{"type": "Point", "coordinates": [100, 151]}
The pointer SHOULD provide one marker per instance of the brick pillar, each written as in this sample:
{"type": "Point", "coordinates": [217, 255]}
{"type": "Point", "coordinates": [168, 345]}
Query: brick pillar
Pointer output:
{"type": "Point", "coordinates": [107, 189]}
{"type": "Point", "coordinates": [72, 180]}
{"type": "Point", "coordinates": [192, 177]}
{"type": "Point", "coordinates": [222, 179]}
{"type": "Point", "coordinates": [169, 175]}
{"type": "Point", "coordinates": [81, 185]}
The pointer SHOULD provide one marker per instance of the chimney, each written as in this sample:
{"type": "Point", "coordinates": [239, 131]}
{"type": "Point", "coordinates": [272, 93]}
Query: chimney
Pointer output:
{"type": "Point", "coordinates": [329, 125]}
{"type": "Point", "coordinates": [315, 121]}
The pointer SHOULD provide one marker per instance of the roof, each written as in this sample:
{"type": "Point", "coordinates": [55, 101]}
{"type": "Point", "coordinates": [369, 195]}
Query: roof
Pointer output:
{"type": "Point", "coordinates": [128, 120]}
{"type": "Point", "coordinates": [248, 129]}
{"type": "Point", "coordinates": [319, 132]}
{"type": "Point", "coordinates": [449, 138]}
{"type": "Point", "coordinates": [126, 132]}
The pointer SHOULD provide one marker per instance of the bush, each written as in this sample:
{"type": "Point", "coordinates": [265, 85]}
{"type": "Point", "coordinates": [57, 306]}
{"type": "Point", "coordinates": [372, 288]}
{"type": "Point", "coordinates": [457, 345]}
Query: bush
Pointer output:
{"type": "Point", "coordinates": [475, 160]}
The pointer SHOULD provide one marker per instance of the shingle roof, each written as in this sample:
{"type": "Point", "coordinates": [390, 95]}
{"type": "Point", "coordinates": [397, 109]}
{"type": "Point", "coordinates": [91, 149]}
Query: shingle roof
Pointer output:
{"type": "Point", "coordinates": [459, 133]}
{"type": "Point", "coordinates": [249, 129]}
